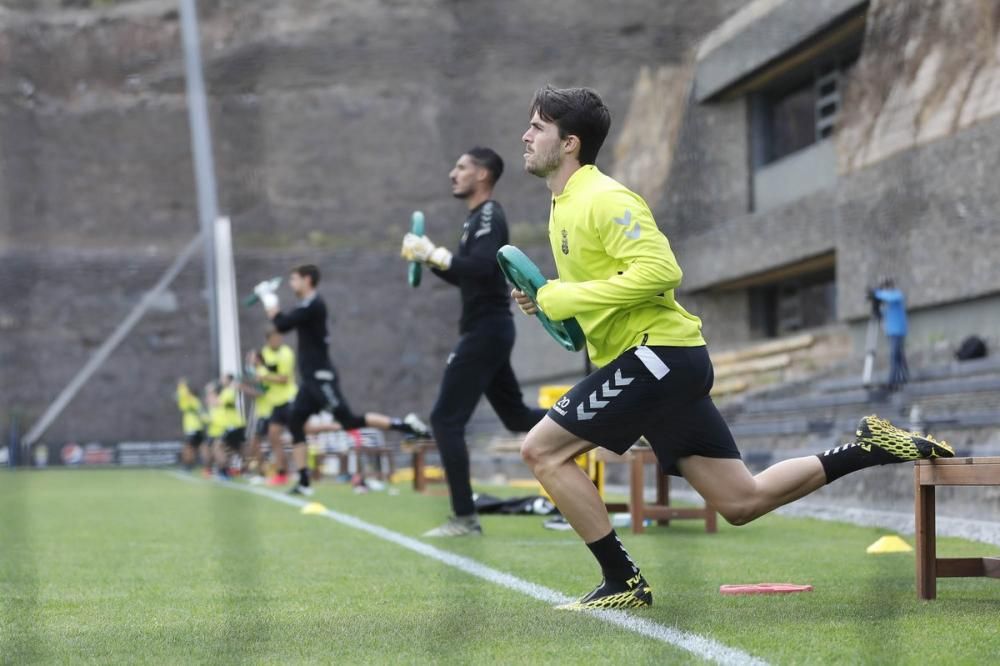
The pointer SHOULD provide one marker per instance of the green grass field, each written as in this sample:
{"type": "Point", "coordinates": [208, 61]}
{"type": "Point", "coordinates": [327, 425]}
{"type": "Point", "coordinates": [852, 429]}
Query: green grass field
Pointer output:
{"type": "Point", "coordinates": [140, 566]}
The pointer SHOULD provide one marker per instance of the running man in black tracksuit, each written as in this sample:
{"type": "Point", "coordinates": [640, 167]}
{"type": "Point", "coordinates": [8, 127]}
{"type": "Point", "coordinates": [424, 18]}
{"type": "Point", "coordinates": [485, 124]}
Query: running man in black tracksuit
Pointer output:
{"type": "Point", "coordinates": [480, 363]}
{"type": "Point", "coordinates": [319, 387]}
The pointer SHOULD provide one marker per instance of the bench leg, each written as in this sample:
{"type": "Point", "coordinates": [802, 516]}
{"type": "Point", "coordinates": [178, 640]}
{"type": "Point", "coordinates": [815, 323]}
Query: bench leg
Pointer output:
{"type": "Point", "coordinates": [419, 481]}
{"type": "Point", "coordinates": [711, 524]}
{"type": "Point", "coordinates": [662, 492]}
{"type": "Point", "coordinates": [637, 503]}
{"type": "Point", "coordinates": [926, 542]}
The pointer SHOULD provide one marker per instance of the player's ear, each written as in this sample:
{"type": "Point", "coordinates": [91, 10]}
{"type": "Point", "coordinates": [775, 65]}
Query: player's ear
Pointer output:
{"type": "Point", "coordinates": [571, 145]}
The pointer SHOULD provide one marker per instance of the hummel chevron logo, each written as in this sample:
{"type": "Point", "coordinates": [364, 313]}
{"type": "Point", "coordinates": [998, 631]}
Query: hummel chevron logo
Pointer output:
{"type": "Point", "coordinates": [601, 397]}
{"type": "Point", "coordinates": [626, 221]}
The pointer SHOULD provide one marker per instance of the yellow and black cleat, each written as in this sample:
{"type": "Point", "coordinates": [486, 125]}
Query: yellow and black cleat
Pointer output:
{"type": "Point", "coordinates": [879, 437]}
{"type": "Point", "coordinates": [633, 593]}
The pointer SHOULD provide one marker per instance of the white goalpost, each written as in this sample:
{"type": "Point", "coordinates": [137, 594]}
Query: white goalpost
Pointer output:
{"type": "Point", "coordinates": [230, 362]}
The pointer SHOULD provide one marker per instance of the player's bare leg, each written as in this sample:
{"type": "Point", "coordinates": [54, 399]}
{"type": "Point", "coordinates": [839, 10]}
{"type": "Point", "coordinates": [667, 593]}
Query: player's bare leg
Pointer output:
{"type": "Point", "coordinates": [411, 424]}
{"type": "Point", "coordinates": [549, 450]}
{"type": "Point", "coordinates": [729, 487]}
{"type": "Point", "coordinates": [275, 438]}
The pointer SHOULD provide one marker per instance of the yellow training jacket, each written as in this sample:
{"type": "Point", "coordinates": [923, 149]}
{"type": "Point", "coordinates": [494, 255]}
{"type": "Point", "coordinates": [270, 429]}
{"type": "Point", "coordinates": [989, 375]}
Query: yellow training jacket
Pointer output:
{"type": "Point", "coordinates": [225, 415]}
{"type": "Point", "coordinates": [617, 273]}
{"type": "Point", "coordinates": [191, 411]}
{"type": "Point", "coordinates": [280, 361]}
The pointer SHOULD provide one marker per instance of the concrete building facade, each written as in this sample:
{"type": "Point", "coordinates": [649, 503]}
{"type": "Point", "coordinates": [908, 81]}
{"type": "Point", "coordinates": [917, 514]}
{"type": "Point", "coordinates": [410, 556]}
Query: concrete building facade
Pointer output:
{"type": "Point", "coordinates": [828, 143]}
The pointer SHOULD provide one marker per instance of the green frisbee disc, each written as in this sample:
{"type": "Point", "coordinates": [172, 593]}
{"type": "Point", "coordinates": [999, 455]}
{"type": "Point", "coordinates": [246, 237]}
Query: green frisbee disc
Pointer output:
{"type": "Point", "coordinates": [417, 228]}
{"type": "Point", "coordinates": [523, 274]}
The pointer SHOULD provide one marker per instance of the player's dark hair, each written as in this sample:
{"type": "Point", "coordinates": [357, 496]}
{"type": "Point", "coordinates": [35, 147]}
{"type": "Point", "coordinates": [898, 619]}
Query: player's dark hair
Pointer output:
{"type": "Point", "coordinates": [271, 331]}
{"type": "Point", "coordinates": [579, 112]}
{"type": "Point", "coordinates": [308, 271]}
{"type": "Point", "coordinates": [489, 160]}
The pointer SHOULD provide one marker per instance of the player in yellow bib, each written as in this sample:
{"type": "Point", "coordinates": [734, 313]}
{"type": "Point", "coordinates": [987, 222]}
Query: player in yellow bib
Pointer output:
{"type": "Point", "coordinates": [277, 374]}
{"type": "Point", "coordinates": [226, 426]}
{"type": "Point", "coordinates": [617, 275]}
{"type": "Point", "coordinates": [193, 423]}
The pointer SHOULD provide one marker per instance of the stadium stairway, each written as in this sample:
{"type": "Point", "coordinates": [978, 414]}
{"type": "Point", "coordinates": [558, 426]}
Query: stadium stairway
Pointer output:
{"type": "Point", "coordinates": [957, 402]}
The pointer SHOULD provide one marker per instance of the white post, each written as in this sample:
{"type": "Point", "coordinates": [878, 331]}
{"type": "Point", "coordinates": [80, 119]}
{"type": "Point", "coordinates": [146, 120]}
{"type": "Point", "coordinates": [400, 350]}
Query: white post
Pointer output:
{"type": "Point", "coordinates": [201, 150]}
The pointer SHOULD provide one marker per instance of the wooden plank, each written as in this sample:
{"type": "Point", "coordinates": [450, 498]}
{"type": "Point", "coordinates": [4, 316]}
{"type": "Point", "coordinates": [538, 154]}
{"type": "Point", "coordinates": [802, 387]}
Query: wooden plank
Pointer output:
{"type": "Point", "coordinates": [730, 387]}
{"type": "Point", "coordinates": [968, 567]}
{"type": "Point", "coordinates": [960, 475]}
{"type": "Point", "coordinates": [937, 462]}
{"type": "Point", "coordinates": [752, 366]}
{"type": "Point", "coordinates": [764, 349]}
{"type": "Point", "coordinates": [658, 512]}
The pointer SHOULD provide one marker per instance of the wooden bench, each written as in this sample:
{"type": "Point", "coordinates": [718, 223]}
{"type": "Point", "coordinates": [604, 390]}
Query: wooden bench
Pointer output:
{"type": "Point", "coordinates": [927, 475]}
{"type": "Point", "coordinates": [418, 450]}
{"type": "Point", "coordinates": [382, 456]}
{"type": "Point", "coordinates": [660, 510]}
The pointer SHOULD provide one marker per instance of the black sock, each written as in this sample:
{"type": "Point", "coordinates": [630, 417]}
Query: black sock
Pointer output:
{"type": "Point", "coordinates": [396, 423]}
{"type": "Point", "coordinates": [615, 563]}
{"type": "Point", "coordinates": [304, 477]}
{"type": "Point", "coordinates": [848, 458]}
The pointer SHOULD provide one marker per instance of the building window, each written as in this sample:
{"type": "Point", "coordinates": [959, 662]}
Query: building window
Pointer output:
{"type": "Point", "coordinates": [793, 114]}
{"type": "Point", "coordinates": [793, 304]}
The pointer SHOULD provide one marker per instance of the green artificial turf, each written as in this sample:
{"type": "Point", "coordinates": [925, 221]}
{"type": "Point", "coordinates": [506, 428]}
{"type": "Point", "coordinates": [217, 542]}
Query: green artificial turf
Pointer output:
{"type": "Point", "coordinates": [140, 566]}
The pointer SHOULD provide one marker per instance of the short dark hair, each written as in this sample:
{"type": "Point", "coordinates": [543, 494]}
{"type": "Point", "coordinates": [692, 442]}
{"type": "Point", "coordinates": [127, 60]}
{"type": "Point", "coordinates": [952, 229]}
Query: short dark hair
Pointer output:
{"type": "Point", "coordinates": [489, 160]}
{"type": "Point", "coordinates": [575, 111]}
{"type": "Point", "coordinates": [271, 330]}
{"type": "Point", "coordinates": [308, 271]}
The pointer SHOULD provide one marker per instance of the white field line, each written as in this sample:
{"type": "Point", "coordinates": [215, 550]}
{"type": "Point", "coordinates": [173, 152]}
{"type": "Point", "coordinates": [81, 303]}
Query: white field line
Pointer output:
{"type": "Point", "coordinates": [702, 646]}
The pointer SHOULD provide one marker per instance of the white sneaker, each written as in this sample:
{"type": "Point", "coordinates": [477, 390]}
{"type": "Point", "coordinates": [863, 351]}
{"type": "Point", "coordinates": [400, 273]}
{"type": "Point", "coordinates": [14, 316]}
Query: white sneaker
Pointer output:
{"type": "Point", "coordinates": [416, 426]}
{"type": "Point", "coordinates": [458, 526]}
{"type": "Point", "coordinates": [306, 491]}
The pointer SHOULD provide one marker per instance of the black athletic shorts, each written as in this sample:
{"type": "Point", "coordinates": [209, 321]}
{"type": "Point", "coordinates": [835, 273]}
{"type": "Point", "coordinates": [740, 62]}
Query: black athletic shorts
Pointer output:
{"type": "Point", "coordinates": [660, 393]}
{"type": "Point", "coordinates": [320, 392]}
{"type": "Point", "coordinates": [196, 438]}
{"type": "Point", "coordinates": [281, 413]}
{"type": "Point", "coordinates": [234, 438]}
{"type": "Point", "coordinates": [262, 425]}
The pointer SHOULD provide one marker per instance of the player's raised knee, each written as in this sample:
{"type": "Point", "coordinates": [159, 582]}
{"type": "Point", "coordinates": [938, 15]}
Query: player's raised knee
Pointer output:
{"type": "Point", "coordinates": [737, 514]}
{"type": "Point", "coordinates": [532, 450]}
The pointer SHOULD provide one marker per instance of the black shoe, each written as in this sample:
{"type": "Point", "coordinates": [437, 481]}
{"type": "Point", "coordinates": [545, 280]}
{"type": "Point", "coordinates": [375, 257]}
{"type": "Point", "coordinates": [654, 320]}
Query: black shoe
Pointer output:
{"type": "Point", "coordinates": [894, 445]}
{"type": "Point", "coordinates": [632, 593]}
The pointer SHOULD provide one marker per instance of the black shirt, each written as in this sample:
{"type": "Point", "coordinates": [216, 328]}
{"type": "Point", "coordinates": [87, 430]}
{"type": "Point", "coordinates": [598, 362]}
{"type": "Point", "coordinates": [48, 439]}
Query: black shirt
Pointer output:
{"type": "Point", "coordinates": [474, 268]}
{"type": "Point", "coordinates": [309, 319]}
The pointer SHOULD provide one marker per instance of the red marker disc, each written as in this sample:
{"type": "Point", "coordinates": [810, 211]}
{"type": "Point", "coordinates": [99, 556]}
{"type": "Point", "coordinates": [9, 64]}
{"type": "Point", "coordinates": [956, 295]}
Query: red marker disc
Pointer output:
{"type": "Point", "coordinates": [764, 588]}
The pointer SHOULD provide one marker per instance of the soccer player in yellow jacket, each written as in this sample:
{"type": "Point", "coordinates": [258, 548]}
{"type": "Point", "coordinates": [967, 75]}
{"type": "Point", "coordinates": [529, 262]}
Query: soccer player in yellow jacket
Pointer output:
{"type": "Point", "coordinates": [278, 376]}
{"type": "Point", "coordinates": [226, 425]}
{"type": "Point", "coordinates": [617, 276]}
{"type": "Point", "coordinates": [193, 423]}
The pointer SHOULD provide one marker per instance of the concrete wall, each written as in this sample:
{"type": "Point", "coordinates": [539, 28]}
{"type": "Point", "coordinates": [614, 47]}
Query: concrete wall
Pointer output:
{"type": "Point", "coordinates": [332, 124]}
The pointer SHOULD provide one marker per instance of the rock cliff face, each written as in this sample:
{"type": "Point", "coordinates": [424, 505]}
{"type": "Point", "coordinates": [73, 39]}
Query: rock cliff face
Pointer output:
{"type": "Point", "coordinates": [934, 69]}
{"type": "Point", "coordinates": [332, 120]}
